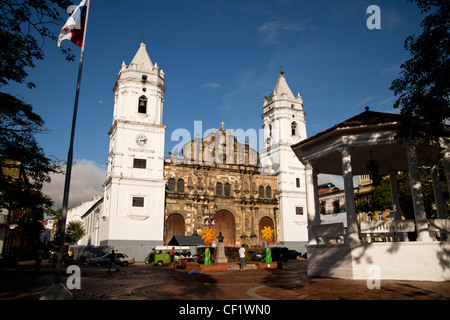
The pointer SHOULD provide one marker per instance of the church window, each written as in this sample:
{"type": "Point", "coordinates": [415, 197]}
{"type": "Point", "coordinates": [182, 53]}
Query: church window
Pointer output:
{"type": "Point", "coordinates": [261, 192]}
{"type": "Point", "coordinates": [269, 192]}
{"type": "Point", "coordinates": [227, 190]}
{"type": "Point", "coordinates": [297, 182]}
{"type": "Point", "coordinates": [219, 189]}
{"type": "Point", "coordinates": [180, 186]}
{"type": "Point", "coordinates": [294, 128]}
{"type": "Point", "coordinates": [299, 211]}
{"type": "Point", "coordinates": [171, 184]}
{"type": "Point", "coordinates": [138, 201]}
{"type": "Point", "coordinates": [140, 163]}
{"type": "Point", "coordinates": [144, 77]}
{"type": "Point", "coordinates": [142, 107]}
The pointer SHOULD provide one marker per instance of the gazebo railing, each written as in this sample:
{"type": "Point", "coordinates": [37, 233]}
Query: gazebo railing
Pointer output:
{"type": "Point", "coordinates": [387, 230]}
{"type": "Point", "coordinates": [439, 228]}
{"type": "Point", "coordinates": [323, 233]}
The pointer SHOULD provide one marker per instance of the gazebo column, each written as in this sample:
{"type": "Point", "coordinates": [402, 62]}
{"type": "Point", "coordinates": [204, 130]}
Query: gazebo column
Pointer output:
{"type": "Point", "coordinates": [447, 168]}
{"type": "Point", "coordinates": [347, 175]}
{"type": "Point", "coordinates": [396, 203]}
{"type": "Point", "coordinates": [438, 195]}
{"type": "Point", "coordinates": [417, 196]}
{"type": "Point", "coordinates": [312, 198]}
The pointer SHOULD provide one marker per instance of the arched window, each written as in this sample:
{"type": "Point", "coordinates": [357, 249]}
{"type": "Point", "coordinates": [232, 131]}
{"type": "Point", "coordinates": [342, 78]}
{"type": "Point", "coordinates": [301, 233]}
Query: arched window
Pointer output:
{"type": "Point", "coordinates": [261, 192]}
{"type": "Point", "coordinates": [180, 186]}
{"type": "Point", "coordinates": [171, 184]}
{"type": "Point", "coordinates": [297, 182]}
{"type": "Point", "coordinates": [142, 106]}
{"type": "Point", "coordinates": [219, 189]}
{"type": "Point", "coordinates": [227, 190]}
{"type": "Point", "coordinates": [269, 192]}
{"type": "Point", "coordinates": [294, 128]}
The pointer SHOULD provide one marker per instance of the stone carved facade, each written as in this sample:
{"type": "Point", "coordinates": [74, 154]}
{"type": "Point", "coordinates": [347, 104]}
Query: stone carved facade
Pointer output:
{"type": "Point", "coordinates": [228, 177]}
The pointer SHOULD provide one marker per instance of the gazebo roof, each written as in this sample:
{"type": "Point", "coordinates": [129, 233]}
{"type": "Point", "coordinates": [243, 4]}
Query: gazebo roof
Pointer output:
{"type": "Point", "coordinates": [368, 135]}
{"type": "Point", "coordinates": [365, 118]}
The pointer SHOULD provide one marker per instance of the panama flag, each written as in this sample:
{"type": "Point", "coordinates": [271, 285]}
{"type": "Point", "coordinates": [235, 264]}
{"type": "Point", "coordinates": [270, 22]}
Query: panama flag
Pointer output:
{"type": "Point", "coordinates": [74, 28]}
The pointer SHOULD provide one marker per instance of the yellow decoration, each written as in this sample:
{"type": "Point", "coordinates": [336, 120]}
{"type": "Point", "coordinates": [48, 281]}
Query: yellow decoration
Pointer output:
{"type": "Point", "coordinates": [267, 234]}
{"type": "Point", "coordinates": [208, 236]}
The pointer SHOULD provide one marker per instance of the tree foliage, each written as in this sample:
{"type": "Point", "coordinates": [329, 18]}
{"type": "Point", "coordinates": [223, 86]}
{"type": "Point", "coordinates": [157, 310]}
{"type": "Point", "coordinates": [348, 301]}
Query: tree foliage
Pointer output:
{"type": "Point", "coordinates": [75, 231]}
{"type": "Point", "coordinates": [423, 88]}
{"type": "Point", "coordinates": [24, 27]}
{"type": "Point", "coordinates": [381, 194]}
{"type": "Point", "coordinates": [24, 165]}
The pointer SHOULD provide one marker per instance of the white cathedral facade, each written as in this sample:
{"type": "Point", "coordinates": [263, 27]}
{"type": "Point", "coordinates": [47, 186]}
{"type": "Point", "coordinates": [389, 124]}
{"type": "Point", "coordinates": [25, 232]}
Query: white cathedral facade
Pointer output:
{"type": "Point", "coordinates": [132, 210]}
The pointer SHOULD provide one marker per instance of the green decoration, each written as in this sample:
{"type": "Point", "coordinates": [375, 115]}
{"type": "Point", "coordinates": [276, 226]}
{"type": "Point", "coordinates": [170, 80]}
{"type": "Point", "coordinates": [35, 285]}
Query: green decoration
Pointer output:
{"type": "Point", "coordinates": [207, 257]}
{"type": "Point", "coordinates": [268, 255]}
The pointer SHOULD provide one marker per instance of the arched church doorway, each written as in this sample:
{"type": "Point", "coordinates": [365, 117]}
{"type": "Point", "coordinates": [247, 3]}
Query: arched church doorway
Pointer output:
{"type": "Point", "coordinates": [226, 224]}
{"type": "Point", "coordinates": [265, 222]}
{"type": "Point", "coordinates": [175, 225]}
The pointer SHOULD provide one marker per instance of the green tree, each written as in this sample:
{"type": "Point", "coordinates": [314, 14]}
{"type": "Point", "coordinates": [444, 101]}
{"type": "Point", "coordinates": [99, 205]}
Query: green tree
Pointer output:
{"type": "Point", "coordinates": [424, 87]}
{"type": "Point", "coordinates": [24, 27]}
{"type": "Point", "coordinates": [18, 148]}
{"type": "Point", "coordinates": [381, 195]}
{"type": "Point", "coordinates": [75, 231]}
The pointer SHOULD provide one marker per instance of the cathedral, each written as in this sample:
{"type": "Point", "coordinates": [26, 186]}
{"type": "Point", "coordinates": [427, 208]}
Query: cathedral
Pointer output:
{"type": "Point", "coordinates": [213, 181]}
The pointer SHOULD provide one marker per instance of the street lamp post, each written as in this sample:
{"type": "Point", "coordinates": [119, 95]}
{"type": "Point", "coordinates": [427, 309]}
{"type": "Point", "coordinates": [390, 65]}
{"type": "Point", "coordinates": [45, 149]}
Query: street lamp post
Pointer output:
{"type": "Point", "coordinates": [208, 217]}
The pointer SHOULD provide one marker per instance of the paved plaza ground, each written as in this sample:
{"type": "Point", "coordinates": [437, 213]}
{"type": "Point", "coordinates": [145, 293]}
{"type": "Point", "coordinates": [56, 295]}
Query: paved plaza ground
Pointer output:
{"type": "Point", "coordinates": [144, 282]}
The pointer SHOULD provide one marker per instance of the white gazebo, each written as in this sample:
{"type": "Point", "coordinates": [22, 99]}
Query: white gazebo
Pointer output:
{"type": "Point", "coordinates": [366, 144]}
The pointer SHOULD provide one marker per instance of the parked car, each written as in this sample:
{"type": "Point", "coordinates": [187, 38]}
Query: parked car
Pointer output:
{"type": "Point", "coordinates": [53, 254]}
{"type": "Point", "coordinates": [278, 254]}
{"type": "Point", "coordinates": [121, 258]}
{"type": "Point", "coordinates": [294, 254]}
{"type": "Point", "coordinates": [259, 256]}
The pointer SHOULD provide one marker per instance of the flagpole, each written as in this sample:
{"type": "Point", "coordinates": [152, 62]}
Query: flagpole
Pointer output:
{"type": "Point", "coordinates": [70, 159]}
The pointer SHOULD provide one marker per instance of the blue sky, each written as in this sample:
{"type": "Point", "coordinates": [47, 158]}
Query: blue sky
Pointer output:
{"type": "Point", "coordinates": [220, 59]}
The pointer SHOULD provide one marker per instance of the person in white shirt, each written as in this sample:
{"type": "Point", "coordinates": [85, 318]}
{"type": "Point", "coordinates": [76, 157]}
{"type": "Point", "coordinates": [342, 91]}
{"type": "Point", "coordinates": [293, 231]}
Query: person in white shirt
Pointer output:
{"type": "Point", "coordinates": [242, 257]}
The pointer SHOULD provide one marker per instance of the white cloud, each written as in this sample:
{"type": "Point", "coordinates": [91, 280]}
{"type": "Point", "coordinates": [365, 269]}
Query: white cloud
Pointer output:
{"type": "Point", "coordinates": [388, 100]}
{"type": "Point", "coordinates": [391, 20]}
{"type": "Point", "coordinates": [273, 31]}
{"type": "Point", "coordinates": [211, 85]}
{"type": "Point", "coordinates": [363, 103]}
{"type": "Point", "coordinates": [391, 71]}
{"type": "Point", "coordinates": [86, 181]}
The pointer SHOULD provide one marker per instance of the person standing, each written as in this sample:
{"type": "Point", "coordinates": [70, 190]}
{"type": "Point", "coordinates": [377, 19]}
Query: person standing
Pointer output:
{"type": "Point", "coordinates": [112, 261]}
{"type": "Point", "coordinates": [242, 257]}
{"type": "Point", "coordinates": [39, 255]}
{"type": "Point", "coordinates": [172, 255]}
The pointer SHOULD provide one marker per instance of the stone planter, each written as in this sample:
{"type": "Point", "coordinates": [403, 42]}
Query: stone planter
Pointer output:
{"type": "Point", "coordinates": [214, 267]}
{"type": "Point", "coordinates": [265, 265]}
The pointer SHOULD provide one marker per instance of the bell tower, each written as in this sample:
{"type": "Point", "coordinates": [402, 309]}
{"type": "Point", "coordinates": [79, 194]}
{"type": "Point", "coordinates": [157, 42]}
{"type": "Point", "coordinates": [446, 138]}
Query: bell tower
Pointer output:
{"type": "Point", "coordinates": [134, 187]}
{"type": "Point", "coordinates": [284, 124]}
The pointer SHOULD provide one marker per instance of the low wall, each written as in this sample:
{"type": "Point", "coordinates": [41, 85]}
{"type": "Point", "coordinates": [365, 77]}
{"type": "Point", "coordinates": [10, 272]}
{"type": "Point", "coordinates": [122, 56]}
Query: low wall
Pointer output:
{"type": "Point", "coordinates": [427, 261]}
{"type": "Point", "coordinates": [84, 253]}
